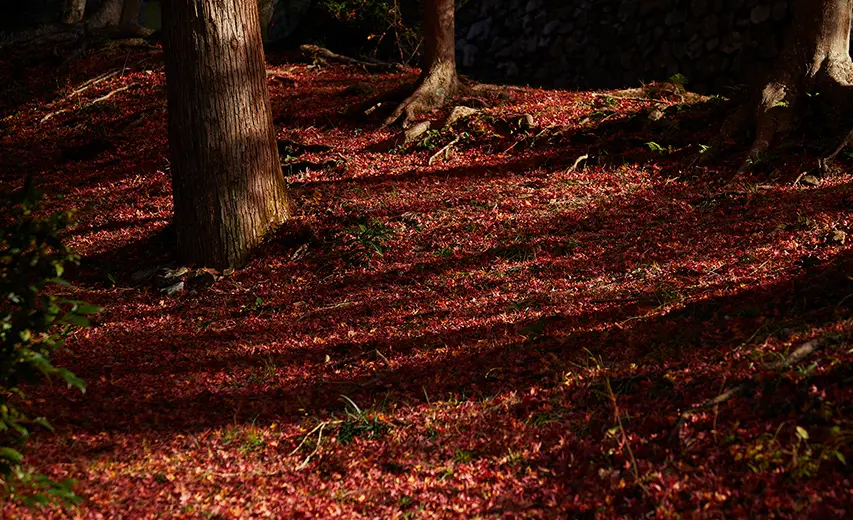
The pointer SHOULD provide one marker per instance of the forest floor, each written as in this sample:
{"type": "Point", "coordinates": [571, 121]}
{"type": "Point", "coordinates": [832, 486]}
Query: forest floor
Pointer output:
{"type": "Point", "coordinates": [507, 332]}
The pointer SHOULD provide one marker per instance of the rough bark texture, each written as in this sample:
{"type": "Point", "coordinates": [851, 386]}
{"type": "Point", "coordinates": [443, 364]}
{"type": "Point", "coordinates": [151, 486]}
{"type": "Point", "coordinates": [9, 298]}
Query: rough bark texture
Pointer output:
{"type": "Point", "coordinates": [438, 81]}
{"type": "Point", "coordinates": [72, 11]}
{"type": "Point", "coordinates": [816, 58]}
{"type": "Point", "coordinates": [226, 176]}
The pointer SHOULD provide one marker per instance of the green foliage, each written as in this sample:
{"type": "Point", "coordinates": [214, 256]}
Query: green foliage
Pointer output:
{"type": "Point", "coordinates": [429, 141]}
{"type": "Point", "coordinates": [360, 422]}
{"type": "Point", "coordinates": [678, 79]}
{"type": "Point", "coordinates": [653, 146]}
{"type": "Point", "coordinates": [33, 324]}
{"type": "Point", "coordinates": [368, 239]}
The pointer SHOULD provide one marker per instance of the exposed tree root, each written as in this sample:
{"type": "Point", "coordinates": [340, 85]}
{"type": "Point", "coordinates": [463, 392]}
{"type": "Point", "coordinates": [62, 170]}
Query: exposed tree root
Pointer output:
{"type": "Point", "coordinates": [815, 62]}
{"type": "Point", "coordinates": [776, 109]}
{"type": "Point", "coordinates": [431, 91]}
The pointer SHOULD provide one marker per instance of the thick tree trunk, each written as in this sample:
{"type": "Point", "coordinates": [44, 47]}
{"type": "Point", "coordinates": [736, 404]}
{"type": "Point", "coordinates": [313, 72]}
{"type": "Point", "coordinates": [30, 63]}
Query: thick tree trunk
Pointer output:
{"type": "Point", "coordinates": [117, 14]}
{"type": "Point", "coordinates": [108, 15]}
{"type": "Point", "coordinates": [130, 13]}
{"type": "Point", "coordinates": [72, 11]}
{"type": "Point", "coordinates": [816, 58]}
{"type": "Point", "coordinates": [438, 81]}
{"type": "Point", "coordinates": [226, 176]}
{"type": "Point", "coordinates": [265, 11]}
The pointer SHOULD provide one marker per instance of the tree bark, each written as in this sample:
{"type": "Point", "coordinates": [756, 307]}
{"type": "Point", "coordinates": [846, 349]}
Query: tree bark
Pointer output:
{"type": "Point", "coordinates": [108, 15]}
{"type": "Point", "coordinates": [72, 12]}
{"type": "Point", "coordinates": [438, 81]}
{"type": "Point", "coordinates": [227, 184]}
{"type": "Point", "coordinates": [815, 59]}
{"type": "Point", "coordinates": [130, 13]}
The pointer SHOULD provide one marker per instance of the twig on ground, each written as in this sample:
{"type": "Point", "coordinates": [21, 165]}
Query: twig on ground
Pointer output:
{"type": "Point", "coordinates": [577, 162]}
{"type": "Point", "coordinates": [318, 310]}
{"type": "Point", "coordinates": [802, 352]}
{"type": "Point", "coordinates": [627, 98]}
{"type": "Point", "coordinates": [90, 103]}
{"type": "Point", "coordinates": [315, 52]}
{"type": "Point", "coordinates": [93, 81]}
{"type": "Point", "coordinates": [109, 95]}
{"type": "Point", "coordinates": [319, 428]}
{"type": "Point", "coordinates": [52, 114]}
{"type": "Point", "coordinates": [445, 150]}
{"type": "Point", "coordinates": [624, 441]}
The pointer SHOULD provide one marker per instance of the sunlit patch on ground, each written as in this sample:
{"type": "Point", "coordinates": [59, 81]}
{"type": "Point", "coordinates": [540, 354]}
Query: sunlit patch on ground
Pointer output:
{"type": "Point", "coordinates": [505, 332]}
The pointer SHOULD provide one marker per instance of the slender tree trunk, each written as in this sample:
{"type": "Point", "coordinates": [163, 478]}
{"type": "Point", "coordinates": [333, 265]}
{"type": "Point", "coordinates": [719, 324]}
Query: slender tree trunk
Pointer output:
{"type": "Point", "coordinates": [73, 10]}
{"type": "Point", "coordinates": [816, 58]}
{"type": "Point", "coordinates": [438, 81]}
{"type": "Point", "coordinates": [226, 176]}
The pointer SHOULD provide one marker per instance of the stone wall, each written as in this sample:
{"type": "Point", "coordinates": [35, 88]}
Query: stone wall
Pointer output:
{"type": "Point", "coordinates": [619, 43]}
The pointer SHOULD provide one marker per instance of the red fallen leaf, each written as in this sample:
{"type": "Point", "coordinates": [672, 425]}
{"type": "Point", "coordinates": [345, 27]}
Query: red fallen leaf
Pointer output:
{"type": "Point", "coordinates": [652, 279]}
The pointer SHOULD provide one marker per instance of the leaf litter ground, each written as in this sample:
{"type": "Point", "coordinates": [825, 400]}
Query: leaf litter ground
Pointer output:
{"type": "Point", "coordinates": [507, 332]}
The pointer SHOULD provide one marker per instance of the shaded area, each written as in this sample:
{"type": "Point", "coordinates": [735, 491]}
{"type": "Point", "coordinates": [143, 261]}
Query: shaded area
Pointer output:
{"type": "Point", "coordinates": [517, 299]}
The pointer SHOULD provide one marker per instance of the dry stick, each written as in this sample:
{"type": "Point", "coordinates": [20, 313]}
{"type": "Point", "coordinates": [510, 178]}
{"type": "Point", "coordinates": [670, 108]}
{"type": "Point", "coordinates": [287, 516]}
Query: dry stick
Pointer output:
{"type": "Point", "coordinates": [109, 95]}
{"type": "Point", "coordinates": [802, 352]}
{"type": "Point", "coordinates": [319, 52]}
{"type": "Point", "coordinates": [625, 441]}
{"type": "Point", "coordinates": [445, 151]}
{"type": "Point", "coordinates": [89, 104]}
{"type": "Point", "coordinates": [627, 98]}
{"type": "Point", "coordinates": [56, 113]}
{"type": "Point", "coordinates": [92, 82]}
{"type": "Point", "coordinates": [316, 448]}
{"type": "Point", "coordinates": [577, 162]}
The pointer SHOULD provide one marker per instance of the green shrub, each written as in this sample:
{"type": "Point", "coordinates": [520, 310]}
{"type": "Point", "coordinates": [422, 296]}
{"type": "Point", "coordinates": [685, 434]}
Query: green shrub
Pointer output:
{"type": "Point", "coordinates": [33, 324]}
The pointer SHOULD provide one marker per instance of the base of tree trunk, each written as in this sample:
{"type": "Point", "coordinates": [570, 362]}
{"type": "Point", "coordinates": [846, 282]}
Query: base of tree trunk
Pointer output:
{"type": "Point", "coordinates": [774, 110]}
{"type": "Point", "coordinates": [432, 90]}
{"type": "Point", "coordinates": [815, 62]}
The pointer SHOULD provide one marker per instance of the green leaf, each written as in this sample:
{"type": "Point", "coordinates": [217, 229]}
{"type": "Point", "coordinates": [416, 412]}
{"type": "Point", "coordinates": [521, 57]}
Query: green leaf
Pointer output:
{"type": "Point", "coordinates": [802, 433]}
{"type": "Point", "coordinates": [11, 455]}
{"type": "Point", "coordinates": [75, 319]}
{"type": "Point", "coordinates": [72, 380]}
{"type": "Point", "coordinates": [41, 421]}
{"type": "Point", "coordinates": [840, 457]}
{"type": "Point", "coordinates": [85, 308]}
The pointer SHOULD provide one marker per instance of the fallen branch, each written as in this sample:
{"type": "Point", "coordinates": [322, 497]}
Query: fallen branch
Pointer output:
{"type": "Point", "coordinates": [627, 98]}
{"type": "Point", "coordinates": [315, 52]}
{"type": "Point", "coordinates": [109, 95]}
{"type": "Point", "coordinates": [327, 308]}
{"type": "Point", "coordinates": [50, 115]}
{"type": "Point", "coordinates": [445, 150]}
{"type": "Point", "coordinates": [89, 104]}
{"type": "Point", "coordinates": [92, 82]}
{"type": "Point", "coordinates": [577, 162]}
{"type": "Point", "coordinates": [802, 352]}
{"type": "Point", "coordinates": [319, 428]}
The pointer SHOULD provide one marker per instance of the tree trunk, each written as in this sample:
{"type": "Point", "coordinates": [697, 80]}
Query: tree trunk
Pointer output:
{"type": "Point", "coordinates": [130, 13]}
{"type": "Point", "coordinates": [226, 176]}
{"type": "Point", "coordinates": [265, 10]}
{"type": "Point", "coordinates": [73, 10]}
{"type": "Point", "coordinates": [108, 15]}
{"type": "Point", "coordinates": [816, 58]}
{"type": "Point", "coordinates": [438, 81]}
